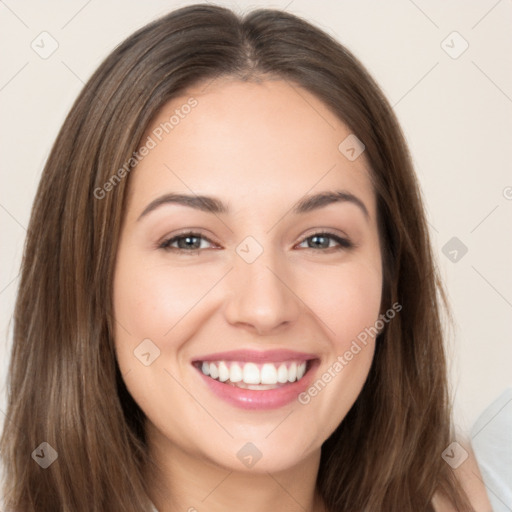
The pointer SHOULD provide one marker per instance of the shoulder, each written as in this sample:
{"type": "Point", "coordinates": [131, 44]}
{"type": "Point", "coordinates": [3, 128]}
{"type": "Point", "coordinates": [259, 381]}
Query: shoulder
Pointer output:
{"type": "Point", "coordinates": [468, 473]}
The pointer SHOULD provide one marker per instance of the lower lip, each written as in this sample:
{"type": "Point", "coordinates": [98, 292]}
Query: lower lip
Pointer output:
{"type": "Point", "coordinates": [263, 399]}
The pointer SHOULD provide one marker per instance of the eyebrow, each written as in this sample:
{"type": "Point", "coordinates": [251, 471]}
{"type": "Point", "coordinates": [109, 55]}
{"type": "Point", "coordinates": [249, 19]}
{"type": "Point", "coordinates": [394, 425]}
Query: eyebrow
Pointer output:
{"type": "Point", "coordinates": [213, 205]}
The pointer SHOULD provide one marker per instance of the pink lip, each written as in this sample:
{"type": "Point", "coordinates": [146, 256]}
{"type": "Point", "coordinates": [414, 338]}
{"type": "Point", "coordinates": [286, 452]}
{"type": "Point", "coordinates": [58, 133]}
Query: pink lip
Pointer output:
{"type": "Point", "coordinates": [264, 399]}
{"type": "Point", "coordinates": [255, 356]}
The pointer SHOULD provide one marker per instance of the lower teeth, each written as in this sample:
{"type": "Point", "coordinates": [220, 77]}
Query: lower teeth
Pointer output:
{"type": "Point", "coordinates": [256, 387]}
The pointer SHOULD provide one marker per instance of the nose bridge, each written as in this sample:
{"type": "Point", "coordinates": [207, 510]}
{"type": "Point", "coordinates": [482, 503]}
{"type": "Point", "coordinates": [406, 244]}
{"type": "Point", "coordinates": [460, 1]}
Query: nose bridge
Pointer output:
{"type": "Point", "coordinates": [260, 296]}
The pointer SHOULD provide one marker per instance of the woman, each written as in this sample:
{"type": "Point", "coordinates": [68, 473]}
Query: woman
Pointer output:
{"type": "Point", "coordinates": [228, 298]}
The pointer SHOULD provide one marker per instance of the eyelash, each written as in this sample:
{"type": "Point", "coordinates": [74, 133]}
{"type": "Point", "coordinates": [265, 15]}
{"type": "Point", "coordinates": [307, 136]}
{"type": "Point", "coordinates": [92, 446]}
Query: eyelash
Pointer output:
{"type": "Point", "coordinates": [343, 243]}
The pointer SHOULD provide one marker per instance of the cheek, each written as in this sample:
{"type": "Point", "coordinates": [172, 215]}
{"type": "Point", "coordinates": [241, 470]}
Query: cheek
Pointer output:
{"type": "Point", "coordinates": [345, 298]}
{"type": "Point", "coordinates": [160, 303]}
{"type": "Point", "coordinates": [151, 301]}
{"type": "Point", "coordinates": [348, 306]}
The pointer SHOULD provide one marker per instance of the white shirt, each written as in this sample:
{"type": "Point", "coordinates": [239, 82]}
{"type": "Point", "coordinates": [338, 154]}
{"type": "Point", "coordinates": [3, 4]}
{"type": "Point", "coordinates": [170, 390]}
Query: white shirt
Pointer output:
{"type": "Point", "coordinates": [491, 439]}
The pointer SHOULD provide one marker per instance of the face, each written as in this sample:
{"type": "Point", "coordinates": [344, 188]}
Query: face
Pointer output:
{"type": "Point", "coordinates": [238, 314]}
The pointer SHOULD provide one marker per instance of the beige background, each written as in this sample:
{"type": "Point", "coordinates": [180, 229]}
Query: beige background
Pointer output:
{"type": "Point", "coordinates": [456, 114]}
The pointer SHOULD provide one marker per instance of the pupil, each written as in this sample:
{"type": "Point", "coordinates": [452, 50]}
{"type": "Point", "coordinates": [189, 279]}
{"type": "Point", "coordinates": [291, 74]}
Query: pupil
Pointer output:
{"type": "Point", "coordinates": [316, 238]}
{"type": "Point", "coordinates": [188, 242]}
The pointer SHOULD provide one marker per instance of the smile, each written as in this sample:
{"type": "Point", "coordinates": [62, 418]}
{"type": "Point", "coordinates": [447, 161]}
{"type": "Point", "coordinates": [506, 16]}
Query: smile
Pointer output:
{"type": "Point", "coordinates": [252, 375]}
{"type": "Point", "coordinates": [257, 380]}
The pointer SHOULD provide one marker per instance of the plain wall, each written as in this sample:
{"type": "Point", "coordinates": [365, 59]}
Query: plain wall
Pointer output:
{"type": "Point", "coordinates": [456, 114]}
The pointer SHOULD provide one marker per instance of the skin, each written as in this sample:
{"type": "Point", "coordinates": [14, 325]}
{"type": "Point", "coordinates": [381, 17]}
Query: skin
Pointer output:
{"type": "Point", "coordinates": [258, 147]}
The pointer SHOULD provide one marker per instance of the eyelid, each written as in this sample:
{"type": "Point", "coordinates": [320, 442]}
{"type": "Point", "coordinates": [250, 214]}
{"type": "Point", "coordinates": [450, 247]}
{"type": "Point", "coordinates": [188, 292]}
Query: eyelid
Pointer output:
{"type": "Point", "coordinates": [324, 231]}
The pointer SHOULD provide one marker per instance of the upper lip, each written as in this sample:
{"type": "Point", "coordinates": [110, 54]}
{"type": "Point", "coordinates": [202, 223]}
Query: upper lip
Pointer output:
{"type": "Point", "coordinates": [257, 356]}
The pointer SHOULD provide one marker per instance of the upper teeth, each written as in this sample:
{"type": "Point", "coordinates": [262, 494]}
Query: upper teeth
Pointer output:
{"type": "Point", "coordinates": [252, 373]}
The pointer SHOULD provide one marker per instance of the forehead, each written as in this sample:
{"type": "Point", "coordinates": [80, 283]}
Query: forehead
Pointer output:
{"type": "Point", "coordinates": [248, 142]}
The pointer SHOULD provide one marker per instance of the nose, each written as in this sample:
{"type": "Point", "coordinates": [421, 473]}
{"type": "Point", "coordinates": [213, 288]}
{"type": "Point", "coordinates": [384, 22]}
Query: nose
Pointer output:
{"type": "Point", "coordinates": [261, 295]}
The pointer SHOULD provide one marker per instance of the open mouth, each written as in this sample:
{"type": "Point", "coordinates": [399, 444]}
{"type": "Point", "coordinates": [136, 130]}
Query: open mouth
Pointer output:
{"type": "Point", "coordinates": [255, 379]}
{"type": "Point", "coordinates": [253, 375]}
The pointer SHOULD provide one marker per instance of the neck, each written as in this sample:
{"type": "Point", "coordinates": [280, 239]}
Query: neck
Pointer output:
{"type": "Point", "coordinates": [184, 482]}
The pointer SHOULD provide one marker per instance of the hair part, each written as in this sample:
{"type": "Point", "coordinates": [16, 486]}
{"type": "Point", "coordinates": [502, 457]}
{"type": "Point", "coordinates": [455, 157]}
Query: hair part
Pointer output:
{"type": "Point", "coordinates": [64, 384]}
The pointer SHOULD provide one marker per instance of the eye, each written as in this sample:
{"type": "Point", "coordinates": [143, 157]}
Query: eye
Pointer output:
{"type": "Point", "coordinates": [185, 242]}
{"type": "Point", "coordinates": [194, 242]}
{"type": "Point", "coordinates": [322, 240]}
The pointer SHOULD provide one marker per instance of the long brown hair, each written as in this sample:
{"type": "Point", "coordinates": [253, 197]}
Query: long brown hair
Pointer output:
{"type": "Point", "coordinates": [64, 383]}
